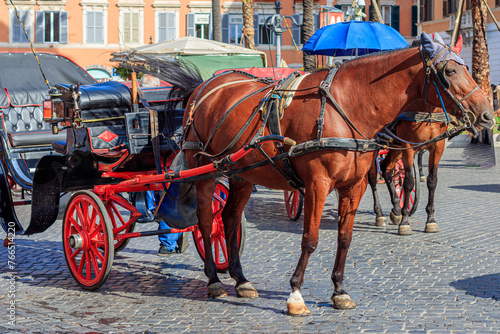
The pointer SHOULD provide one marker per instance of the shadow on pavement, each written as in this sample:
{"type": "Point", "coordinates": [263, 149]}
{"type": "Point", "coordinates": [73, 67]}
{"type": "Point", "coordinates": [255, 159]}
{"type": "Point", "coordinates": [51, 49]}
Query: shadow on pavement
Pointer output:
{"type": "Point", "coordinates": [490, 188]}
{"type": "Point", "coordinates": [485, 286]}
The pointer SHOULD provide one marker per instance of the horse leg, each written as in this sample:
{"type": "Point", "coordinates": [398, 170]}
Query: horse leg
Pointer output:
{"type": "Point", "coordinates": [314, 202]}
{"type": "Point", "coordinates": [348, 204]}
{"type": "Point", "coordinates": [380, 219]}
{"type": "Point", "coordinates": [239, 194]}
{"type": "Point", "coordinates": [408, 184]}
{"type": "Point", "coordinates": [434, 157]}
{"type": "Point", "coordinates": [387, 168]}
{"type": "Point", "coordinates": [204, 193]}
{"type": "Point", "coordinates": [423, 178]}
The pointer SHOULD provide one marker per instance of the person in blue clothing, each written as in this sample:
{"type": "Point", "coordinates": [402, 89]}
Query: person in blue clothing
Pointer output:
{"type": "Point", "coordinates": [169, 243]}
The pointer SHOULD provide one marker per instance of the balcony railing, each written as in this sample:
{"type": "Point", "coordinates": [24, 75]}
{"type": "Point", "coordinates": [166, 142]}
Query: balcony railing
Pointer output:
{"type": "Point", "coordinates": [466, 20]}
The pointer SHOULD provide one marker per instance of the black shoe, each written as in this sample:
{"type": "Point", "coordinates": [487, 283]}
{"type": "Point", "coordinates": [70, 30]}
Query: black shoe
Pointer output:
{"type": "Point", "coordinates": [163, 251]}
{"type": "Point", "coordinates": [183, 242]}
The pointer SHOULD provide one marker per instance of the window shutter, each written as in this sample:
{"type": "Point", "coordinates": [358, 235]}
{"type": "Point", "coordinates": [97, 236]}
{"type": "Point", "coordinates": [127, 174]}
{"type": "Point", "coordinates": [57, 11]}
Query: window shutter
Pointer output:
{"type": "Point", "coordinates": [370, 13]}
{"type": "Point", "coordinates": [91, 26]}
{"type": "Point", "coordinates": [63, 27]}
{"type": "Point", "coordinates": [127, 38]}
{"type": "Point", "coordinates": [256, 29]}
{"type": "Point", "coordinates": [135, 27]}
{"type": "Point", "coordinates": [40, 27]}
{"type": "Point", "coordinates": [18, 35]}
{"type": "Point", "coordinates": [162, 27]}
{"type": "Point", "coordinates": [171, 33]}
{"type": "Point", "coordinates": [316, 22]}
{"type": "Point", "coordinates": [190, 24]}
{"type": "Point", "coordinates": [395, 17]}
{"type": "Point", "coordinates": [225, 27]}
{"type": "Point", "coordinates": [99, 27]}
{"type": "Point", "coordinates": [296, 29]}
{"type": "Point", "coordinates": [414, 14]}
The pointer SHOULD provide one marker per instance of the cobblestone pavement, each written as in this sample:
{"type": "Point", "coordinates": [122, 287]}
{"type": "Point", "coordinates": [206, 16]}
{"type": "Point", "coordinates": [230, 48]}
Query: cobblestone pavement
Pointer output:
{"type": "Point", "coordinates": [435, 283]}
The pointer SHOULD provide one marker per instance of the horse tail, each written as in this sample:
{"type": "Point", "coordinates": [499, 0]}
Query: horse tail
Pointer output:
{"type": "Point", "coordinates": [184, 76]}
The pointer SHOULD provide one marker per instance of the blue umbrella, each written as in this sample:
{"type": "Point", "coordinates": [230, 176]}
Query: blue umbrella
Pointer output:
{"type": "Point", "coordinates": [354, 37]}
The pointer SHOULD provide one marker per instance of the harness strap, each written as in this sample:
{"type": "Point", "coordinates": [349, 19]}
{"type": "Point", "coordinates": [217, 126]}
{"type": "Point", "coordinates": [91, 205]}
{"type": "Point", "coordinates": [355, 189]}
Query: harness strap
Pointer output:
{"type": "Point", "coordinates": [419, 116]}
{"type": "Point", "coordinates": [447, 134]}
{"type": "Point", "coordinates": [333, 143]}
{"type": "Point", "coordinates": [325, 89]}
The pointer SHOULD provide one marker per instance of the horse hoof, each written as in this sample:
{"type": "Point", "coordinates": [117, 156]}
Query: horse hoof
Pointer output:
{"type": "Point", "coordinates": [381, 221]}
{"type": "Point", "coordinates": [343, 302]}
{"type": "Point", "coordinates": [395, 219]}
{"type": "Point", "coordinates": [423, 179]}
{"type": "Point", "coordinates": [404, 230]}
{"type": "Point", "coordinates": [297, 309]}
{"type": "Point", "coordinates": [216, 290]}
{"type": "Point", "coordinates": [246, 290]}
{"type": "Point", "coordinates": [431, 228]}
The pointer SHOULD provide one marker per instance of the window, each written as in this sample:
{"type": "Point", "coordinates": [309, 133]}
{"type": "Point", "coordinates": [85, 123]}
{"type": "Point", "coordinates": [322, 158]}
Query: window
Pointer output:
{"type": "Point", "coordinates": [298, 32]}
{"type": "Point", "coordinates": [265, 31]}
{"type": "Point", "coordinates": [51, 27]}
{"type": "Point", "coordinates": [426, 10]}
{"type": "Point", "coordinates": [232, 25]}
{"type": "Point", "coordinates": [386, 15]}
{"type": "Point", "coordinates": [199, 25]}
{"type": "Point", "coordinates": [18, 35]}
{"type": "Point", "coordinates": [451, 6]}
{"type": "Point", "coordinates": [497, 3]}
{"type": "Point", "coordinates": [166, 26]}
{"type": "Point", "coordinates": [131, 27]}
{"type": "Point", "coordinates": [94, 27]}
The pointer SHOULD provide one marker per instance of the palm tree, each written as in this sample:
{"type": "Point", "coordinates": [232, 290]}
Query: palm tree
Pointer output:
{"type": "Point", "coordinates": [216, 20]}
{"type": "Point", "coordinates": [308, 31]}
{"type": "Point", "coordinates": [248, 29]}
{"type": "Point", "coordinates": [480, 63]}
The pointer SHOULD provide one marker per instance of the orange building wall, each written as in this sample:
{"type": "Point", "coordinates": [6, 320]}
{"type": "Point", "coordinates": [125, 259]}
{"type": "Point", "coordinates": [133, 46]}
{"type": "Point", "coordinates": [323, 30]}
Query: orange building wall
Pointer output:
{"type": "Point", "coordinates": [87, 55]}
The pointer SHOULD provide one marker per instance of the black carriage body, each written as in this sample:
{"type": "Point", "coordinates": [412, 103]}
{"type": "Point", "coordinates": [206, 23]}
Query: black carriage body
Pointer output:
{"type": "Point", "coordinates": [105, 134]}
{"type": "Point", "coordinates": [24, 137]}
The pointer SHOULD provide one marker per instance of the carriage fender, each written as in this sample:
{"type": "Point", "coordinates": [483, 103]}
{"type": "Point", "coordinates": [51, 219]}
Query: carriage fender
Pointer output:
{"type": "Point", "coordinates": [47, 184]}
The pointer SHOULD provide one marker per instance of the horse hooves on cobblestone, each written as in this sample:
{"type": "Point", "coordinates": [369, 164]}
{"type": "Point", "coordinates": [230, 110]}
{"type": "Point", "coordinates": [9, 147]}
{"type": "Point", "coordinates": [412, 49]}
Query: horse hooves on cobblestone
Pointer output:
{"type": "Point", "coordinates": [395, 219]}
{"type": "Point", "coordinates": [216, 290]}
{"type": "Point", "coordinates": [297, 309]}
{"type": "Point", "coordinates": [246, 290]}
{"type": "Point", "coordinates": [381, 221]}
{"type": "Point", "coordinates": [343, 302]}
{"type": "Point", "coordinates": [405, 230]}
{"type": "Point", "coordinates": [431, 228]}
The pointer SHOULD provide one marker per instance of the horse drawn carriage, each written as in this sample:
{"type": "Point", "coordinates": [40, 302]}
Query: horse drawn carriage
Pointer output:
{"type": "Point", "coordinates": [234, 126]}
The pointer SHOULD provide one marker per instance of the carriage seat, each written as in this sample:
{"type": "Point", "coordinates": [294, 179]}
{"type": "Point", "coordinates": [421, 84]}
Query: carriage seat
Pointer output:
{"type": "Point", "coordinates": [110, 94]}
{"type": "Point", "coordinates": [24, 126]}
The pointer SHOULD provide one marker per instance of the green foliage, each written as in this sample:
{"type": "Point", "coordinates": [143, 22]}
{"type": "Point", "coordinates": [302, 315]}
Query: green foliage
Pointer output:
{"type": "Point", "coordinates": [125, 73]}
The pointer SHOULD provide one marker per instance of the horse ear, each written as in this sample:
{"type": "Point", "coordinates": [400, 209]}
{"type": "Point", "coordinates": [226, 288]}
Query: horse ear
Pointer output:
{"type": "Point", "coordinates": [438, 38]}
{"type": "Point", "coordinates": [458, 46]}
{"type": "Point", "coordinates": [427, 44]}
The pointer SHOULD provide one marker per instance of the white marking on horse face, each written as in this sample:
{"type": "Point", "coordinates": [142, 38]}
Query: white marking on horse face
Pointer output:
{"type": "Point", "coordinates": [295, 297]}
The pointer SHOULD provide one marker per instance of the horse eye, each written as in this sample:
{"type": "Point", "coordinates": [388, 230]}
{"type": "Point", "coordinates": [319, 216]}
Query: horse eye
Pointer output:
{"type": "Point", "coordinates": [450, 71]}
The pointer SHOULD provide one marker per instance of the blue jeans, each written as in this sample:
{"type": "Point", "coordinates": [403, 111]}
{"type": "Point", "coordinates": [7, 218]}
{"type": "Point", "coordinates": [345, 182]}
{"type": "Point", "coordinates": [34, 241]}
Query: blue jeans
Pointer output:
{"type": "Point", "coordinates": [169, 240]}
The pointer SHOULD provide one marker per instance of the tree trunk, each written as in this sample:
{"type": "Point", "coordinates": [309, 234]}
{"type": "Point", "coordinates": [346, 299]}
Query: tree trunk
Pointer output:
{"type": "Point", "coordinates": [308, 26]}
{"type": "Point", "coordinates": [248, 28]}
{"type": "Point", "coordinates": [375, 14]}
{"type": "Point", "coordinates": [480, 63]}
{"type": "Point", "coordinates": [216, 26]}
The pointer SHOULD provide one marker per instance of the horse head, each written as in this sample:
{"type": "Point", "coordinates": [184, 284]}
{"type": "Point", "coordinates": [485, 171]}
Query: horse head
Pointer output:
{"type": "Point", "coordinates": [449, 84]}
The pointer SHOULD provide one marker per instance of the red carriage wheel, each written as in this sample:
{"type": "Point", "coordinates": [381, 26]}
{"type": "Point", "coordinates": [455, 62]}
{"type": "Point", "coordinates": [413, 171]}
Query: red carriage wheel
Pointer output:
{"type": "Point", "coordinates": [88, 240]}
{"type": "Point", "coordinates": [123, 217]}
{"type": "Point", "coordinates": [217, 236]}
{"type": "Point", "coordinates": [294, 201]}
{"type": "Point", "coordinates": [399, 176]}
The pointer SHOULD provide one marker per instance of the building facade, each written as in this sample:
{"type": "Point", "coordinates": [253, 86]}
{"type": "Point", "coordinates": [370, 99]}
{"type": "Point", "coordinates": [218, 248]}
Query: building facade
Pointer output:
{"type": "Point", "coordinates": [440, 15]}
{"type": "Point", "coordinates": [88, 31]}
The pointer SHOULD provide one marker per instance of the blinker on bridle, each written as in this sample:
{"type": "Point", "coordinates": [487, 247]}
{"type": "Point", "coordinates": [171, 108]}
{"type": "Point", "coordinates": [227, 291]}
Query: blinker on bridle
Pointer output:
{"type": "Point", "coordinates": [437, 66]}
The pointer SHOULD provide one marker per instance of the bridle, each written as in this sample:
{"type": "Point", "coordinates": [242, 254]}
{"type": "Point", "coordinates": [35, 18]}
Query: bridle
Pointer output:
{"type": "Point", "coordinates": [437, 66]}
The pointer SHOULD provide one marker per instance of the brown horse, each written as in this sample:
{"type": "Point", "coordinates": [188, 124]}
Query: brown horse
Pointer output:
{"type": "Point", "coordinates": [431, 125]}
{"type": "Point", "coordinates": [370, 92]}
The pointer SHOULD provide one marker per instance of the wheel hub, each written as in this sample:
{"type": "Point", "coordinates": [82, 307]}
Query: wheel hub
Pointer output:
{"type": "Point", "coordinates": [78, 241]}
